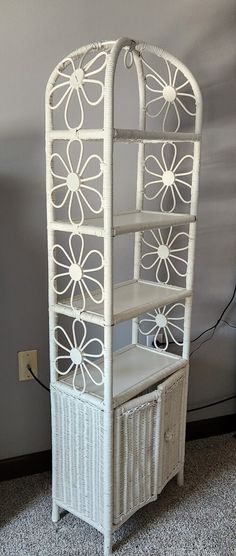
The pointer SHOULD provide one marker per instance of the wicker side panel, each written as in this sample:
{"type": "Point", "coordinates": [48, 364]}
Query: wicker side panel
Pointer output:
{"type": "Point", "coordinates": [136, 439]}
{"type": "Point", "coordinates": [77, 451]}
{"type": "Point", "coordinates": [173, 418]}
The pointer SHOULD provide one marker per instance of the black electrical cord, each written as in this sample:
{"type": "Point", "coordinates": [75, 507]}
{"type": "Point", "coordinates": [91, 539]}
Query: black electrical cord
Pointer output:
{"type": "Point", "coordinates": [215, 325]}
{"type": "Point", "coordinates": [37, 379]}
{"type": "Point", "coordinates": [229, 324]}
{"type": "Point", "coordinates": [219, 319]}
{"type": "Point", "coordinates": [201, 344]}
{"type": "Point", "coordinates": [212, 327]}
{"type": "Point", "coordinates": [219, 401]}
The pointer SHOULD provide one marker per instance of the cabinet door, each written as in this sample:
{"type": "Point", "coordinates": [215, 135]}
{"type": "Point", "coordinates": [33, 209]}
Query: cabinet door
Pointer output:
{"type": "Point", "coordinates": [136, 441]}
{"type": "Point", "coordinates": [148, 444]}
{"type": "Point", "coordinates": [173, 392]}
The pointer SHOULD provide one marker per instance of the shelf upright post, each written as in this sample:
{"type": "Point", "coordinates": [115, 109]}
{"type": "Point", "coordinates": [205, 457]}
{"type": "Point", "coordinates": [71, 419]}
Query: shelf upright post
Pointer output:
{"type": "Point", "coordinates": [51, 269]}
{"type": "Point", "coordinates": [108, 289]}
{"type": "Point", "coordinates": [50, 235]}
{"type": "Point", "coordinates": [190, 268]}
{"type": "Point", "coordinates": [140, 177]}
{"type": "Point", "coordinates": [193, 211]}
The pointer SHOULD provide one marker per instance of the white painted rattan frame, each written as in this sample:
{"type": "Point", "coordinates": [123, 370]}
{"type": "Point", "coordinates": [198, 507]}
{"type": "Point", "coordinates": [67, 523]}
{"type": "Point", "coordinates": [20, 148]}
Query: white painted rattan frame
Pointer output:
{"type": "Point", "coordinates": [108, 135]}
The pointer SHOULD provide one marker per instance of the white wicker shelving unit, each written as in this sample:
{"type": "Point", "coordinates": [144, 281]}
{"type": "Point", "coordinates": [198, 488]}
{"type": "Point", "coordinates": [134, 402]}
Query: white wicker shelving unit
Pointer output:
{"type": "Point", "coordinates": [118, 417]}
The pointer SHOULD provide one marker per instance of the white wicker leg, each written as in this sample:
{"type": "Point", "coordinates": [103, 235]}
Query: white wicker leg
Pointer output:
{"type": "Point", "coordinates": [55, 512]}
{"type": "Point", "coordinates": [180, 477]}
{"type": "Point", "coordinates": [107, 545]}
{"type": "Point", "coordinates": [108, 443]}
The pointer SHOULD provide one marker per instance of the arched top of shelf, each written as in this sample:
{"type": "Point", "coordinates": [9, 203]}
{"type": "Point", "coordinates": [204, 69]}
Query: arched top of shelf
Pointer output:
{"type": "Point", "coordinates": [168, 91]}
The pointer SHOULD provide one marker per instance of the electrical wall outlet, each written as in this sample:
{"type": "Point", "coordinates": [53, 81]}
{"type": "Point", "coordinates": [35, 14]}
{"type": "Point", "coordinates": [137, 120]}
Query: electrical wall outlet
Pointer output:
{"type": "Point", "coordinates": [150, 339]}
{"type": "Point", "coordinates": [27, 358]}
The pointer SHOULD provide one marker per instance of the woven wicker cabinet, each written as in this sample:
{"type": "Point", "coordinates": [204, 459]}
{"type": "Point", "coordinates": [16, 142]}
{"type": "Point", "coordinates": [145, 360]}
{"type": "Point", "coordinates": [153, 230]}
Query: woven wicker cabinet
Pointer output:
{"type": "Point", "coordinates": [118, 416]}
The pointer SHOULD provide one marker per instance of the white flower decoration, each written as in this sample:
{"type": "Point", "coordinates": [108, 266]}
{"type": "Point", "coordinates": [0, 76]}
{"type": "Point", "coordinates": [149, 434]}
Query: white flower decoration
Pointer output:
{"type": "Point", "coordinates": [75, 84]}
{"type": "Point", "coordinates": [75, 183]}
{"type": "Point", "coordinates": [168, 182]}
{"type": "Point", "coordinates": [78, 357]}
{"type": "Point", "coordinates": [164, 254]}
{"type": "Point", "coordinates": [169, 97]}
{"type": "Point", "coordinates": [77, 272]}
{"type": "Point", "coordinates": [162, 320]}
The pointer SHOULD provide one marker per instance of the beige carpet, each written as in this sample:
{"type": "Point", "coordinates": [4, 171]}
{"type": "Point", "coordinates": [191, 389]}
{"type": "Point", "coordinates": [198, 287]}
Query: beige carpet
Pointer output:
{"type": "Point", "coordinates": [196, 520]}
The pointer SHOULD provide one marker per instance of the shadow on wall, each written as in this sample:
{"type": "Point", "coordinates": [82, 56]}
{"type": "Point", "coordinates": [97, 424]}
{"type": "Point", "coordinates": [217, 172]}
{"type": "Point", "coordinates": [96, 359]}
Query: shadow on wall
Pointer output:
{"type": "Point", "coordinates": [212, 60]}
{"type": "Point", "coordinates": [23, 279]}
{"type": "Point", "coordinates": [23, 220]}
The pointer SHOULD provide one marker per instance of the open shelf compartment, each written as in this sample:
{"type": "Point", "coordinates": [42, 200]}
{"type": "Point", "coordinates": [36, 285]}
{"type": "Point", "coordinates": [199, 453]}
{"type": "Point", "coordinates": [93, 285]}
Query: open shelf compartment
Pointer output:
{"type": "Point", "coordinates": [130, 299]}
{"type": "Point", "coordinates": [135, 368]}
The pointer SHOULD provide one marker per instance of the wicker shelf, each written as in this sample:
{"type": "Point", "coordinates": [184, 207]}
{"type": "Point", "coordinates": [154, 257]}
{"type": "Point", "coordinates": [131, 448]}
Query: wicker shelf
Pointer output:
{"type": "Point", "coordinates": [131, 299]}
{"type": "Point", "coordinates": [127, 222]}
{"type": "Point", "coordinates": [135, 368]}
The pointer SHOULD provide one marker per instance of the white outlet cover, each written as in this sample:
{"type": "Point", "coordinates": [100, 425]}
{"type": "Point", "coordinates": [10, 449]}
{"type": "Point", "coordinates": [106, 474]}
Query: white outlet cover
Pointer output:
{"type": "Point", "coordinates": [27, 358]}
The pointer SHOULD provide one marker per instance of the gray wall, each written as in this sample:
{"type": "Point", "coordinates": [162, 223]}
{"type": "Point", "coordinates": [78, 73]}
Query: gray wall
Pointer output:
{"type": "Point", "coordinates": [34, 36]}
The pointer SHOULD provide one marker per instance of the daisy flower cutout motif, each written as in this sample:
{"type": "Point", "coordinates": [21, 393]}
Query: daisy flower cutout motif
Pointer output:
{"type": "Point", "coordinates": [78, 85]}
{"type": "Point", "coordinates": [169, 97]}
{"type": "Point", "coordinates": [169, 183]}
{"type": "Point", "coordinates": [74, 186]}
{"type": "Point", "coordinates": [78, 355]}
{"type": "Point", "coordinates": [77, 272]}
{"type": "Point", "coordinates": [163, 321]}
{"type": "Point", "coordinates": [163, 255]}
